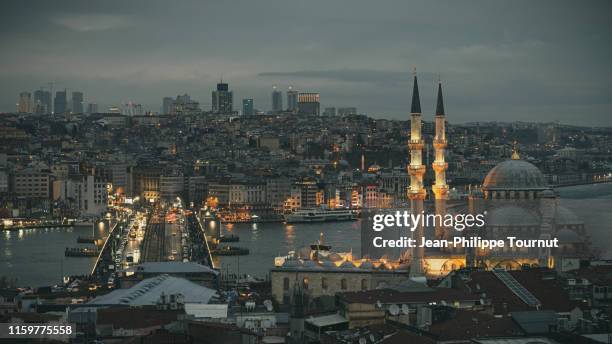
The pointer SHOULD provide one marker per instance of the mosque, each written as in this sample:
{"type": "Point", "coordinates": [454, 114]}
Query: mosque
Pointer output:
{"type": "Point", "coordinates": [514, 197]}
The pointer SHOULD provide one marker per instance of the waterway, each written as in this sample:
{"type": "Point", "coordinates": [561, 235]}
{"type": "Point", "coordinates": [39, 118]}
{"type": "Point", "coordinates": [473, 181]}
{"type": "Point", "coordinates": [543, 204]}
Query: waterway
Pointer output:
{"type": "Point", "coordinates": [36, 257]}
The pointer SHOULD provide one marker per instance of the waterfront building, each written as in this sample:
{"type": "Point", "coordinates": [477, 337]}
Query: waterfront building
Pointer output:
{"type": "Point", "coordinates": [303, 195]}
{"type": "Point", "coordinates": [278, 190]}
{"type": "Point", "coordinates": [85, 193]}
{"type": "Point", "coordinates": [309, 104]}
{"type": "Point", "coordinates": [249, 193]}
{"type": "Point", "coordinates": [218, 192]}
{"type": "Point", "coordinates": [32, 183]}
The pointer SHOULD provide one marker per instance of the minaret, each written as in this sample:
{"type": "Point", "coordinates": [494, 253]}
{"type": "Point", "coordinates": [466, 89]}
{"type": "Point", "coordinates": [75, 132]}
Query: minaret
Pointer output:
{"type": "Point", "coordinates": [440, 189]}
{"type": "Point", "coordinates": [416, 169]}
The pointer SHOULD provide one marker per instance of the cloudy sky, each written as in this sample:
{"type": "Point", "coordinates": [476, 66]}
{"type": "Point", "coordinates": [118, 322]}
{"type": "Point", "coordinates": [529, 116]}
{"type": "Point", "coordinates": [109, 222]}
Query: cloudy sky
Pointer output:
{"type": "Point", "coordinates": [510, 60]}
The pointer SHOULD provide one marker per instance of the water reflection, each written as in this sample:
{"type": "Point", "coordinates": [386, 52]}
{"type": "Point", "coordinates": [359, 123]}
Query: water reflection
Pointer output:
{"type": "Point", "coordinates": [34, 256]}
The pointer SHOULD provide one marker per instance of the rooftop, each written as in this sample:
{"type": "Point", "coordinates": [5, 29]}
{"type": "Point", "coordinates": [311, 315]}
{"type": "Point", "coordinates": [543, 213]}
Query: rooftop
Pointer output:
{"type": "Point", "coordinates": [148, 292]}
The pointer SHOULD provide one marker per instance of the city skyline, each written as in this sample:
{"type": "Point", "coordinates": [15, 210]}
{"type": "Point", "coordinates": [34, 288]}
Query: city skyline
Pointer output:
{"type": "Point", "coordinates": [516, 67]}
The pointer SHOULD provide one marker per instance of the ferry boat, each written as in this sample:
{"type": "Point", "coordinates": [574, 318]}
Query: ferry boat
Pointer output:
{"type": "Point", "coordinates": [320, 215]}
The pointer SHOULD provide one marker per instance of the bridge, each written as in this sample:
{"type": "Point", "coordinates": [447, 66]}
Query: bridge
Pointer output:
{"type": "Point", "coordinates": [101, 267]}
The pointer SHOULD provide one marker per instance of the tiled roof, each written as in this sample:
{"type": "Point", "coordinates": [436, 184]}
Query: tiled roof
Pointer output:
{"type": "Point", "coordinates": [548, 291]}
{"type": "Point", "coordinates": [468, 324]}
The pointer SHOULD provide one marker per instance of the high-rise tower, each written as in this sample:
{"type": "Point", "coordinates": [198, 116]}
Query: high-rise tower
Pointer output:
{"type": "Point", "coordinates": [416, 169]}
{"type": "Point", "coordinates": [222, 99]}
{"type": "Point", "coordinates": [60, 102]}
{"type": "Point", "coordinates": [292, 100]}
{"type": "Point", "coordinates": [277, 100]}
{"type": "Point", "coordinates": [440, 189]}
{"type": "Point", "coordinates": [25, 103]}
{"type": "Point", "coordinates": [77, 102]}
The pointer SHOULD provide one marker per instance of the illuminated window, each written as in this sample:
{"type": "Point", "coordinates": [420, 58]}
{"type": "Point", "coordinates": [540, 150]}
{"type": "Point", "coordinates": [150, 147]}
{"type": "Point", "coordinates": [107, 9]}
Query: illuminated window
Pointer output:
{"type": "Point", "coordinates": [305, 282]}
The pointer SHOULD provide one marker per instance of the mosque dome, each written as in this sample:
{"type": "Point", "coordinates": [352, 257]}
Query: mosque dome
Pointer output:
{"type": "Point", "coordinates": [515, 174]}
{"type": "Point", "coordinates": [511, 215]}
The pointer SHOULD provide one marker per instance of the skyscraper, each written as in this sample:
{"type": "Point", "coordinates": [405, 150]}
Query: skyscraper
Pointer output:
{"type": "Point", "coordinates": [292, 97]}
{"type": "Point", "coordinates": [222, 99]}
{"type": "Point", "coordinates": [77, 102]}
{"type": "Point", "coordinates": [277, 100]}
{"type": "Point", "coordinates": [167, 104]}
{"type": "Point", "coordinates": [60, 102]}
{"type": "Point", "coordinates": [308, 104]}
{"type": "Point", "coordinates": [247, 107]}
{"type": "Point", "coordinates": [25, 102]}
{"type": "Point", "coordinates": [42, 102]}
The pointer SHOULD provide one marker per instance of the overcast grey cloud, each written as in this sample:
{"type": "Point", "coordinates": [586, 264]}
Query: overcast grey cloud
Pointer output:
{"type": "Point", "coordinates": [499, 60]}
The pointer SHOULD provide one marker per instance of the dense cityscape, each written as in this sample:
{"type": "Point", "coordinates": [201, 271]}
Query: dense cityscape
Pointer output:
{"type": "Point", "coordinates": [307, 172]}
{"type": "Point", "coordinates": [157, 187]}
